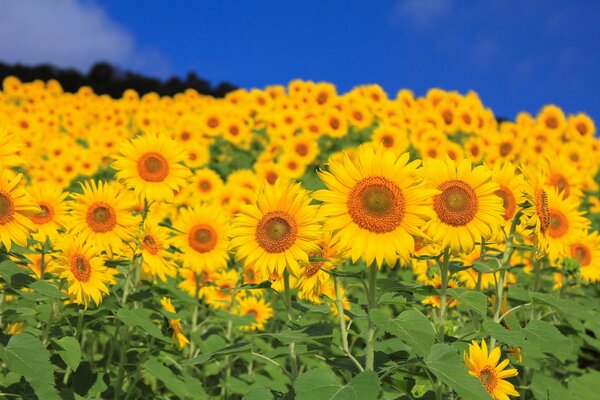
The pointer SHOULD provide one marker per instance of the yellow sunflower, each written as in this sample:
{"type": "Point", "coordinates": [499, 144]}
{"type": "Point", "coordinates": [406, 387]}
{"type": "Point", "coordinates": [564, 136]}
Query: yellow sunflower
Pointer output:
{"type": "Point", "coordinates": [175, 324]}
{"type": "Point", "coordinates": [151, 166]}
{"type": "Point", "coordinates": [485, 367]}
{"type": "Point", "coordinates": [258, 308]}
{"type": "Point", "coordinates": [101, 215]}
{"type": "Point", "coordinates": [219, 293]}
{"type": "Point", "coordinates": [154, 241]}
{"type": "Point", "coordinates": [511, 190]}
{"type": "Point", "coordinates": [203, 238]}
{"type": "Point", "coordinates": [586, 249]}
{"type": "Point", "coordinates": [15, 208]}
{"type": "Point", "coordinates": [536, 219]}
{"type": "Point", "coordinates": [10, 146]}
{"type": "Point", "coordinates": [467, 210]}
{"type": "Point", "coordinates": [53, 210]}
{"type": "Point", "coordinates": [79, 262]}
{"type": "Point", "coordinates": [206, 184]}
{"type": "Point", "coordinates": [434, 301]}
{"type": "Point", "coordinates": [375, 204]}
{"type": "Point", "coordinates": [278, 231]}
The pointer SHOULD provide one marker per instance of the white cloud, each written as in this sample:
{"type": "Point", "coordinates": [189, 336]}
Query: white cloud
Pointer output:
{"type": "Point", "coordinates": [424, 14]}
{"type": "Point", "coordinates": [65, 33]}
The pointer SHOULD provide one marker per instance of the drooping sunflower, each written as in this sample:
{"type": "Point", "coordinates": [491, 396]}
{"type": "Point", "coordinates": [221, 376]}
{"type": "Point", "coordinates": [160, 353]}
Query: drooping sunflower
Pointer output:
{"type": "Point", "coordinates": [15, 207]}
{"type": "Point", "coordinates": [511, 190]}
{"type": "Point", "coordinates": [79, 262]}
{"type": "Point", "coordinates": [278, 231]}
{"type": "Point", "coordinates": [485, 367]}
{"type": "Point", "coordinates": [175, 324]}
{"type": "Point", "coordinates": [157, 261]}
{"type": "Point", "coordinates": [258, 308]}
{"type": "Point", "coordinates": [586, 249]}
{"type": "Point", "coordinates": [536, 218]}
{"type": "Point", "coordinates": [101, 215]}
{"type": "Point", "coordinates": [375, 204]}
{"type": "Point", "coordinates": [467, 210]}
{"type": "Point", "coordinates": [53, 210]}
{"type": "Point", "coordinates": [151, 166]}
{"type": "Point", "coordinates": [203, 238]}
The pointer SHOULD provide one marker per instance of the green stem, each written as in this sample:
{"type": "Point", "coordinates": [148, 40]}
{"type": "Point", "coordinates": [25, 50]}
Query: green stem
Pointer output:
{"type": "Point", "coordinates": [343, 330]}
{"type": "Point", "coordinates": [288, 306]}
{"type": "Point", "coordinates": [445, 277]}
{"type": "Point", "coordinates": [78, 335]}
{"type": "Point", "coordinates": [372, 305]}
{"type": "Point", "coordinates": [194, 316]}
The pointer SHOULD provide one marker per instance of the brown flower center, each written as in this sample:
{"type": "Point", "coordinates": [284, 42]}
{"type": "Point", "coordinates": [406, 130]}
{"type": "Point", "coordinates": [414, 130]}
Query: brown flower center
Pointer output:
{"type": "Point", "coordinates": [559, 225]}
{"type": "Point", "coordinates": [457, 204]}
{"type": "Point", "coordinates": [150, 244]}
{"type": "Point", "coordinates": [7, 209]}
{"type": "Point", "coordinates": [205, 185]}
{"type": "Point", "coordinates": [153, 167]}
{"type": "Point", "coordinates": [508, 202]}
{"type": "Point", "coordinates": [301, 149]}
{"type": "Point", "coordinates": [202, 238]}
{"type": "Point", "coordinates": [276, 231]}
{"type": "Point", "coordinates": [489, 378]}
{"type": "Point", "coordinates": [552, 122]}
{"type": "Point", "coordinates": [80, 267]}
{"type": "Point", "coordinates": [505, 148]}
{"type": "Point", "coordinates": [581, 252]}
{"type": "Point", "coordinates": [44, 216]}
{"type": "Point", "coordinates": [212, 122]}
{"type": "Point", "coordinates": [561, 183]}
{"type": "Point", "coordinates": [376, 204]}
{"type": "Point", "coordinates": [101, 217]}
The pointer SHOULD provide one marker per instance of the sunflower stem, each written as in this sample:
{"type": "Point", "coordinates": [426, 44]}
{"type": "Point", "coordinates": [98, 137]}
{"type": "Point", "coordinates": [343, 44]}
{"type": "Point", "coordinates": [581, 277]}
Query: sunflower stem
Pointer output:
{"type": "Point", "coordinates": [372, 305]}
{"type": "Point", "coordinates": [444, 275]}
{"type": "Point", "coordinates": [78, 335]}
{"type": "Point", "coordinates": [288, 306]}
{"type": "Point", "coordinates": [341, 318]}
{"type": "Point", "coordinates": [194, 316]}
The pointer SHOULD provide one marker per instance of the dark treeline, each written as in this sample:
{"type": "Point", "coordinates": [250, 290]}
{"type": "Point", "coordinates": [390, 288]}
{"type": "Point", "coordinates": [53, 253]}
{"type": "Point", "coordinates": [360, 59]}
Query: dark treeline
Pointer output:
{"type": "Point", "coordinates": [107, 79]}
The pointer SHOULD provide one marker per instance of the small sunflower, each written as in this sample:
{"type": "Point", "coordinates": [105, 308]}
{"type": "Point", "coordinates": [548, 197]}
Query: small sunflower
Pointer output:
{"type": "Point", "coordinates": [258, 308]}
{"type": "Point", "coordinates": [467, 210]}
{"type": "Point", "coordinates": [203, 238]}
{"type": "Point", "coordinates": [151, 166]}
{"type": "Point", "coordinates": [435, 301]}
{"type": "Point", "coordinates": [206, 184]}
{"type": "Point", "coordinates": [485, 367]}
{"type": "Point", "coordinates": [375, 204]}
{"type": "Point", "coordinates": [586, 249]}
{"type": "Point", "coordinates": [278, 231]}
{"type": "Point", "coordinates": [175, 324]}
{"type": "Point", "coordinates": [512, 186]}
{"type": "Point", "coordinates": [53, 210]}
{"type": "Point", "coordinates": [15, 208]}
{"type": "Point", "coordinates": [101, 215]}
{"type": "Point", "coordinates": [9, 149]}
{"type": "Point", "coordinates": [154, 241]}
{"type": "Point", "coordinates": [79, 262]}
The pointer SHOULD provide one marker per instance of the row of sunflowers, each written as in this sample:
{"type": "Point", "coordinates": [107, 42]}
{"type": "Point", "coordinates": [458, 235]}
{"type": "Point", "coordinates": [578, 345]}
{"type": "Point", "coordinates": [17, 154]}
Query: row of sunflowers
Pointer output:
{"type": "Point", "coordinates": [295, 242]}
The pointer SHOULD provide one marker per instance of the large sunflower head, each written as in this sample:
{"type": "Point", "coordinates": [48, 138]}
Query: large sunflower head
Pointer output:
{"type": "Point", "coordinates": [53, 210]}
{"type": "Point", "coordinates": [485, 367]}
{"type": "Point", "coordinates": [15, 208]}
{"type": "Point", "coordinates": [467, 209]}
{"type": "Point", "coordinates": [203, 238]}
{"type": "Point", "coordinates": [278, 231]}
{"type": "Point", "coordinates": [151, 166]}
{"type": "Point", "coordinates": [80, 263]}
{"type": "Point", "coordinates": [374, 204]}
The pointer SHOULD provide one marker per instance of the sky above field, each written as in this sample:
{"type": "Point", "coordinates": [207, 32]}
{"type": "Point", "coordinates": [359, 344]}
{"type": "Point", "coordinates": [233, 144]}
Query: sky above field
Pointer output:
{"type": "Point", "coordinates": [518, 55]}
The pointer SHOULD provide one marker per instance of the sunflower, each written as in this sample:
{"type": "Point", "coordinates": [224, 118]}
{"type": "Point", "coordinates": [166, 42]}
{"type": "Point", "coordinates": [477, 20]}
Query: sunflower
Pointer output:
{"type": "Point", "coordinates": [101, 215]}
{"type": "Point", "coordinates": [258, 308]}
{"type": "Point", "coordinates": [193, 281]}
{"type": "Point", "coordinates": [467, 210]}
{"type": "Point", "coordinates": [511, 188]}
{"type": "Point", "coordinates": [219, 293]}
{"type": "Point", "coordinates": [485, 367]}
{"type": "Point", "coordinates": [374, 204]}
{"type": "Point", "coordinates": [434, 301]}
{"type": "Point", "coordinates": [304, 147]}
{"type": "Point", "coordinates": [53, 210]}
{"type": "Point", "coordinates": [206, 184]}
{"type": "Point", "coordinates": [203, 238]}
{"type": "Point", "coordinates": [151, 166]}
{"type": "Point", "coordinates": [9, 149]}
{"type": "Point", "coordinates": [391, 138]}
{"type": "Point", "coordinates": [154, 242]}
{"type": "Point", "coordinates": [564, 176]}
{"type": "Point", "coordinates": [79, 262]}
{"type": "Point", "coordinates": [278, 231]}
{"type": "Point", "coordinates": [15, 208]}
{"type": "Point", "coordinates": [175, 324]}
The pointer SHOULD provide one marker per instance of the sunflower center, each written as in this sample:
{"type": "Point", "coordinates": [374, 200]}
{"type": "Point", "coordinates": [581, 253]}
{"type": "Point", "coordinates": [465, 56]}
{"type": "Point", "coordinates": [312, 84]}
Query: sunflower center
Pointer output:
{"type": "Point", "coordinates": [276, 231]}
{"type": "Point", "coordinates": [457, 204]}
{"type": "Point", "coordinates": [334, 123]}
{"type": "Point", "coordinates": [488, 378]}
{"type": "Point", "coordinates": [551, 122]}
{"type": "Point", "coordinates": [252, 312]}
{"type": "Point", "coordinates": [561, 183]}
{"type": "Point", "coordinates": [558, 224]}
{"type": "Point", "coordinates": [541, 208]}
{"type": "Point", "coordinates": [313, 268]}
{"type": "Point", "coordinates": [7, 209]}
{"type": "Point", "coordinates": [44, 216]}
{"type": "Point", "coordinates": [508, 202]}
{"type": "Point", "coordinates": [150, 244]}
{"type": "Point", "coordinates": [205, 186]}
{"type": "Point", "coordinates": [271, 177]}
{"type": "Point", "coordinates": [153, 167]}
{"type": "Point", "coordinates": [376, 204]}
{"type": "Point", "coordinates": [582, 253]}
{"type": "Point", "coordinates": [388, 141]}
{"type": "Point", "coordinates": [202, 238]}
{"type": "Point", "coordinates": [581, 128]}
{"type": "Point", "coordinates": [80, 267]}
{"type": "Point", "coordinates": [212, 122]}
{"type": "Point", "coordinates": [301, 149]}
{"type": "Point", "coordinates": [101, 217]}
{"type": "Point", "coordinates": [505, 149]}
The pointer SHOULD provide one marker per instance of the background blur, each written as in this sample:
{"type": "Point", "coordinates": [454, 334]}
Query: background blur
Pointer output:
{"type": "Point", "coordinates": [518, 55]}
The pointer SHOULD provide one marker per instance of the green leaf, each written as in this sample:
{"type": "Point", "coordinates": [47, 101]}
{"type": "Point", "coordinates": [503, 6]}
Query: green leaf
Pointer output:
{"type": "Point", "coordinates": [178, 386]}
{"type": "Point", "coordinates": [585, 387]}
{"type": "Point", "coordinates": [511, 338]}
{"type": "Point", "coordinates": [380, 318]}
{"type": "Point", "coordinates": [415, 329]}
{"type": "Point", "coordinates": [546, 388]}
{"type": "Point", "coordinates": [47, 289]}
{"type": "Point", "coordinates": [232, 349]}
{"type": "Point", "coordinates": [141, 318]}
{"type": "Point", "coordinates": [71, 351]}
{"type": "Point", "coordinates": [323, 384]}
{"type": "Point", "coordinates": [446, 364]}
{"type": "Point", "coordinates": [259, 394]}
{"type": "Point", "coordinates": [470, 299]}
{"type": "Point", "coordinates": [548, 339]}
{"type": "Point", "coordinates": [564, 305]}
{"type": "Point", "coordinates": [26, 355]}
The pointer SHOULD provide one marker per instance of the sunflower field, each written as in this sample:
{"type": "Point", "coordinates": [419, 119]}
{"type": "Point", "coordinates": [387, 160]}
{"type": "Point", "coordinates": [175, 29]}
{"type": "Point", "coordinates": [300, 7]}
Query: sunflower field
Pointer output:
{"type": "Point", "coordinates": [295, 243]}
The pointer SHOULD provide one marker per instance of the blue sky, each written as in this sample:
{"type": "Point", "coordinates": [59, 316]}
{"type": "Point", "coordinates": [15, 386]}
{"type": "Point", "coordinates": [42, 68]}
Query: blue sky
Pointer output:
{"type": "Point", "coordinates": [518, 55]}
